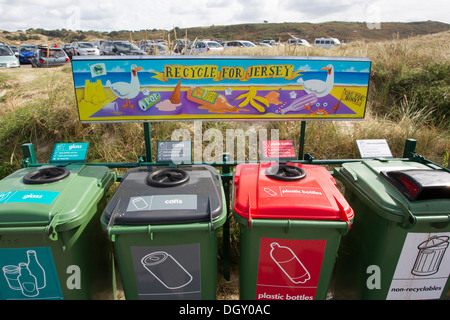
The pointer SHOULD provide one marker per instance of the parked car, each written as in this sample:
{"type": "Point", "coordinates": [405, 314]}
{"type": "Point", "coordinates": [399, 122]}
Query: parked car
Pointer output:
{"type": "Point", "coordinates": [203, 46]}
{"type": "Point", "coordinates": [120, 48]}
{"type": "Point", "coordinates": [180, 44]}
{"type": "Point", "coordinates": [14, 49]}
{"type": "Point", "coordinates": [8, 59]}
{"type": "Point", "coordinates": [49, 57]}
{"type": "Point", "coordinates": [84, 49]}
{"type": "Point", "coordinates": [68, 50]}
{"type": "Point", "coordinates": [26, 53]}
{"type": "Point", "coordinates": [155, 49]}
{"type": "Point", "coordinates": [263, 44]}
{"type": "Point", "coordinates": [98, 43]}
{"type": "Point", "coordinates": [326, 42]}
{"type": "Point", "coordinates": [298, 42]}
{"type": "Point", "coordinates": [238, 44]}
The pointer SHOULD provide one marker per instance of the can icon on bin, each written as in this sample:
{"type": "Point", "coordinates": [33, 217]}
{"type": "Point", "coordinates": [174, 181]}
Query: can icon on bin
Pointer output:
{"type": "Point", "coordinates": [168, 271]}
{"type": "Point", "coordinates": [430, 256]}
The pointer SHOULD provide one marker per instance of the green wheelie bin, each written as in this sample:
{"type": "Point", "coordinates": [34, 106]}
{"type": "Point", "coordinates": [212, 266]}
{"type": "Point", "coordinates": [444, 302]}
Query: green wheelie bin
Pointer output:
{"type": "Point", "coordinates": [51, 242]}
{"type": "Point", "coordinates": [291, 219]}
{"type": "Point", "coordinates": [398, 246]}
{"type": "Point", "coordinates": [164, 223]}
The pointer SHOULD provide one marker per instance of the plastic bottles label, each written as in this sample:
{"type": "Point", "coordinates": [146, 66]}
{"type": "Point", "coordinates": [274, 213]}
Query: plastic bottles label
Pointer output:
{"type": "Point", "coordinates": [289, 269]}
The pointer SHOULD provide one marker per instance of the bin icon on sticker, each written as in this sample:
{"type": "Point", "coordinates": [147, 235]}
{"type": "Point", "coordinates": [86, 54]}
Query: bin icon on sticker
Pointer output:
{"type": "Point", "coordinates": [430, 256]}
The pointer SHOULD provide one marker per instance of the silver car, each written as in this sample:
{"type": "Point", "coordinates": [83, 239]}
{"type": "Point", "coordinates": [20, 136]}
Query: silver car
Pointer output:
{"type": "Point", "coordinates": [45, 57]}
{"type": "Point", "coordinates": [8, 59]}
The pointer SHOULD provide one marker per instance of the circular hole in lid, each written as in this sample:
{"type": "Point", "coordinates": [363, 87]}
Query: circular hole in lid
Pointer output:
{"type": "Point", "coordinates": [284, 172]}
{"type": "Point", "coordinates": [46, 175]}
{"type": "Point", "coordinates": [169, 177]}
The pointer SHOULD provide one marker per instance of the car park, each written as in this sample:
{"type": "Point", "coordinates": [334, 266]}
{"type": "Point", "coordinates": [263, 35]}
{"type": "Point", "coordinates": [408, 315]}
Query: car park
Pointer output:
{"type": "Point", "coordinates": [238, 44]}
{"type": "Point", "coordinates": [298, 42]}
{"type": "Point", "coordinates": [26, 53]}
{"type": "Point", "coordinates": [84, 49]}
{"type": "Point", "coordinates": [120, 48]}
{"type": "Point", "coordinates": [49, 57]}
{"type": "Point", "coordinates": [326, 42]}
{"type": "Point", "coordinates": [8, 59]}
{"type": "Point", "coordinates": [203, 46]}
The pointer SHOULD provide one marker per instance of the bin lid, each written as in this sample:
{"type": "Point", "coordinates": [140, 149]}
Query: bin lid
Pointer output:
{"type": "Point", "coordinates": [395, 183]}
{"type": "Point", "coordinates": [33, 196]}
{"type": "Point", "coordinates": [287, 191]}
{"type": "Point", "coordinates": [156, 195]}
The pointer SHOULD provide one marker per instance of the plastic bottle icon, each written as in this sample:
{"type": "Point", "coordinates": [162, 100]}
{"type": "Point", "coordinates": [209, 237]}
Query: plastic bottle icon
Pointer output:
{"type": "Point", "coordinates": [28, 282]}
{"type": "Point", "coordinates": [36, 269]}
{"type": "Point", "coordinates": [289, 263]}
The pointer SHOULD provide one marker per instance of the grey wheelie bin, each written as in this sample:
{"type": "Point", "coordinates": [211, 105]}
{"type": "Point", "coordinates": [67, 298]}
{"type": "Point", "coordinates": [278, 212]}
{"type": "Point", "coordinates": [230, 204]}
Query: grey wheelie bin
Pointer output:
{"type": "Point", "coordinates": [164, 223]}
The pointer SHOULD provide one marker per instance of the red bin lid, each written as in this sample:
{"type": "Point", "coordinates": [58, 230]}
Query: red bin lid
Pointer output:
{"type": "Point", "coordinates": [295, 191]}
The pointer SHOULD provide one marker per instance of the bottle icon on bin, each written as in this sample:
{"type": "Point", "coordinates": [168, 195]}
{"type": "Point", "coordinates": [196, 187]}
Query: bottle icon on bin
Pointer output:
{"type": "Point", "coordinates": [289, 263]}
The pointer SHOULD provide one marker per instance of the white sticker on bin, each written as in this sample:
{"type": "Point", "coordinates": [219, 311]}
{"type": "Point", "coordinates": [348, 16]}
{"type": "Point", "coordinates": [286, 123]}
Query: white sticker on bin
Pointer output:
{"type": "Point", "coordinates": [162, 202]}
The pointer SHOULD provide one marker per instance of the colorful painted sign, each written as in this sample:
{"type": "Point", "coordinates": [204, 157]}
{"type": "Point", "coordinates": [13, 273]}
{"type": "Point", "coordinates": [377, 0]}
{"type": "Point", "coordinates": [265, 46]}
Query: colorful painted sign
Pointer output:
{"type": "Point", "coordinates": [289, 269]}
{"type": "Point", "coordinates": [180, 88]}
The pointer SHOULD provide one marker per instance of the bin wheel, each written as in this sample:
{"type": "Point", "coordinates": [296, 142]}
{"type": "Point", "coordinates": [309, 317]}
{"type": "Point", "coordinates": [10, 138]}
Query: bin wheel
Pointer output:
{"type": "Point", "coordinates": [284, 172]}
{"type": "Point", "coordinates": [169, 177]}
{"type": "Point", "coordinates": [46, 175]}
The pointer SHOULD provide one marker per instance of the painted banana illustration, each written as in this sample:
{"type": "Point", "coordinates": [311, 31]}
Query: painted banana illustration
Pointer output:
{"type": "Point", "coordinates": [250, 97]}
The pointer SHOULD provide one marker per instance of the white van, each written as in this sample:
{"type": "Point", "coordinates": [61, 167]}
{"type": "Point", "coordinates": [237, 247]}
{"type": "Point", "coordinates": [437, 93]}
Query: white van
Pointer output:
{"type": "Point", "coordinates": [326, 42]}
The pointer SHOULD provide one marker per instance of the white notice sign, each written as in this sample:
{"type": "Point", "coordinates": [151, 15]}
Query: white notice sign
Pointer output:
{"type": "Point", "coordinates": [374, 148]}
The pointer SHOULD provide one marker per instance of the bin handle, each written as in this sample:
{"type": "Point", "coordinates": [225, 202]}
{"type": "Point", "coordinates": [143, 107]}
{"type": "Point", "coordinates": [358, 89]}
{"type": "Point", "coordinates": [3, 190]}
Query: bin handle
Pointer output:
{"type": "Point", "coordinates": [412, 220]}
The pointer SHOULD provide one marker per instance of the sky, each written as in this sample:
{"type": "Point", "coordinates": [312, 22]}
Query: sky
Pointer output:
{"type": "Point", "coordinates": [135, 15]}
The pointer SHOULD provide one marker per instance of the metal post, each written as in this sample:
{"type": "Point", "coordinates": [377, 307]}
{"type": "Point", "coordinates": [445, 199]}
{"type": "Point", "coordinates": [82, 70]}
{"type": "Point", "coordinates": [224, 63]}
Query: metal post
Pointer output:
{"type": "Point", "coordinates": [148, 142]}
{"type": "Point", "coordinates": [29, 157]}
{"type": "Point", "coordinates": [410, 148]}
{"type": "Point", "coordinates": [301, 145]}
{"type": "Point", "coordinates": [226, 226]}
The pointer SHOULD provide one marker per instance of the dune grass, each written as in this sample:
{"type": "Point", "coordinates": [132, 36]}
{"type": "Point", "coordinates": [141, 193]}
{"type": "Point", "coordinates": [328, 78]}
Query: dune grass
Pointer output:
{"type": "Point", "coordinates": [408, 98]}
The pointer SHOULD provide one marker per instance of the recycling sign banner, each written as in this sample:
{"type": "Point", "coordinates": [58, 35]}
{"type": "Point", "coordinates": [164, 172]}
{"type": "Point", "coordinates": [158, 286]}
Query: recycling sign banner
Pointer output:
{"type": "Point", "coordinates": [159, 88]}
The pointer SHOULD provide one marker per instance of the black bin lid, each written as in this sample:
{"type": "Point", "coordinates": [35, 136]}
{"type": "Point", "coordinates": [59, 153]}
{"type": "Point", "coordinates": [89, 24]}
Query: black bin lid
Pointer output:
{"type": "Point", "coordinates": [420, 184]}
{"type": "Point", "coordinates": [161, 195]}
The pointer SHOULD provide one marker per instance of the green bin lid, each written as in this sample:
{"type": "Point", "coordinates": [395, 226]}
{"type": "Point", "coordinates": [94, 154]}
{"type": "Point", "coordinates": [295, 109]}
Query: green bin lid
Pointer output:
{"type": "Point", "coordinates": [33, 196]}
{"type": "Point", "coordinates": [393, 185]}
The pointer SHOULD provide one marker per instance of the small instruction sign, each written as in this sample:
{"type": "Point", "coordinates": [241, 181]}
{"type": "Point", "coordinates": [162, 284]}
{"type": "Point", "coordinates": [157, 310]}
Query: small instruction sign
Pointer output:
{"type": "Point", "coordinates": [69, 152]}
{"type": "Point", "coordinates": [174, 151]}
{"type": "Point", "coordinates": [277, 149]}
{"type": "Point", "coordinates": [374, 148]}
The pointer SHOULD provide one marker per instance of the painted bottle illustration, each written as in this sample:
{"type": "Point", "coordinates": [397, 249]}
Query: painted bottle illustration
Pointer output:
{"type": "Point", "coordinates": [289, 263]}
{"type": "Point", "coordinates": [210, 100]}
{"type": "Point", "coordinates": [168, 271]}
{"type": "Point", "coordinates": [27, 281]}
{"type": "Point", "coordinates": [430, 256]}
{"type": "Point", "coordinates": [36, 269]}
